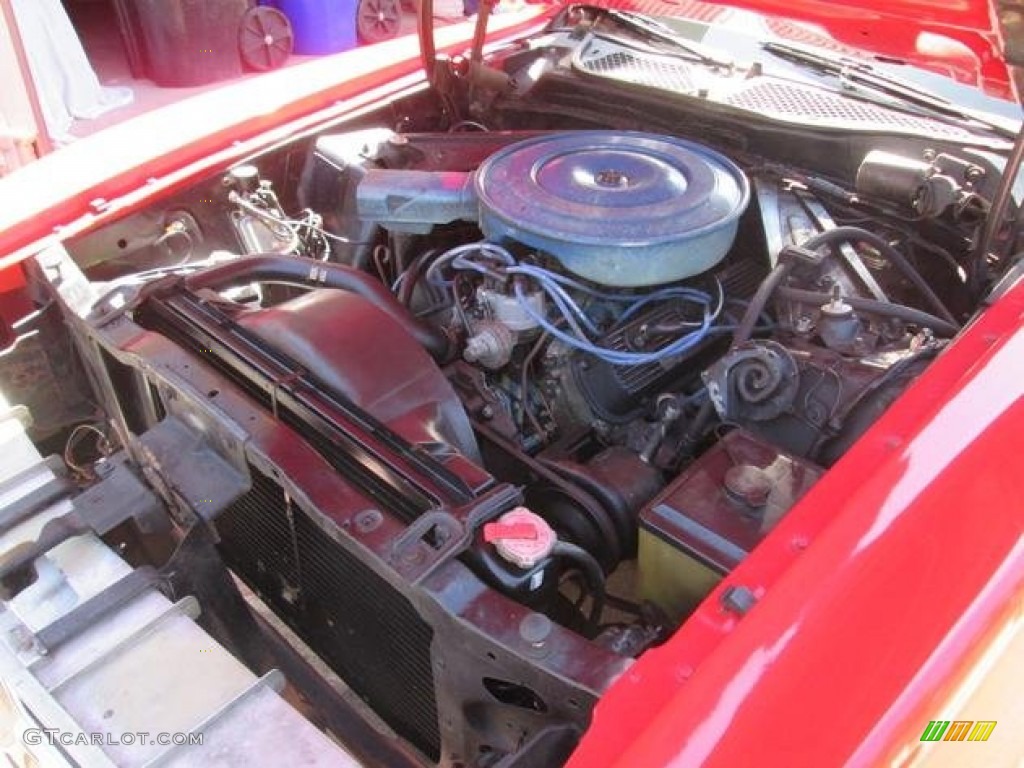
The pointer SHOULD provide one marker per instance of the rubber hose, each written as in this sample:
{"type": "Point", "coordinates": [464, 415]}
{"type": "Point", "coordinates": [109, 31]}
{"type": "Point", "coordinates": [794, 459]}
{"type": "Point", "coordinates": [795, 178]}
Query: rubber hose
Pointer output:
{"type": "Point", "coordinates": [591, 571]}
{"type": "Point", "coordinates": [309, 273]}
{"type": "Point", "coordinates": [832, 237]}
{"type": "Point", "coordinates": [760, 301]}
{"type": "Point", "coordinates": [893, 256]}
{"type": "Point", "coordinates": [871, 306]}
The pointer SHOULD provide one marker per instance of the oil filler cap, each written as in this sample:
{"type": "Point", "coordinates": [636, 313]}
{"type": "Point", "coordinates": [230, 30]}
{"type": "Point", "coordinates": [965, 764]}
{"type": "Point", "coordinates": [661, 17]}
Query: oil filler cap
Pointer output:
{"type": "Point", "coordinates": [521, 537]}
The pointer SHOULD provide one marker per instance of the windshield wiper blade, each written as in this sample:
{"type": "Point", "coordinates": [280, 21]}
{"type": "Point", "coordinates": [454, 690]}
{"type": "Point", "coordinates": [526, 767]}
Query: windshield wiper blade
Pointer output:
{"type": "Point", "coordinates": [853, 74]}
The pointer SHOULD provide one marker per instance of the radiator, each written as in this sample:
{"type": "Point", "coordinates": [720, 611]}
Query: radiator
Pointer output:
{"type": "Point", "coordinates": [360, 625]}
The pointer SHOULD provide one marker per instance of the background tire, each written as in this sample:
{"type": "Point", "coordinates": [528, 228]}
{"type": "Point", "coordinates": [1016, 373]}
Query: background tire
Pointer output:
{"type": "Point", "coordinates": [378, 20]}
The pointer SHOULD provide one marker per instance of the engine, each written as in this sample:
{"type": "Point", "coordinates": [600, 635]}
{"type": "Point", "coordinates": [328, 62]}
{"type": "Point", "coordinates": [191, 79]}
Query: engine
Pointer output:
{"type": "Point", "coordinates": [542, 391]}
{"type": "Point", "coordinates": [601, 291]}
{"type": "Point", "coordinates": [594, 367]}
{"type": "Point", "coordinates": [610, 305]}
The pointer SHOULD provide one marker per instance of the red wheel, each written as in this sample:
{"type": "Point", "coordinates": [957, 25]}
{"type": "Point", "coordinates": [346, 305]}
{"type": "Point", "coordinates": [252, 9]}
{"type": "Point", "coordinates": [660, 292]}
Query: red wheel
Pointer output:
{"type": "Point", "coordinates": [265, 40]}
{"type": "Point", "coordinates": [378, 20]}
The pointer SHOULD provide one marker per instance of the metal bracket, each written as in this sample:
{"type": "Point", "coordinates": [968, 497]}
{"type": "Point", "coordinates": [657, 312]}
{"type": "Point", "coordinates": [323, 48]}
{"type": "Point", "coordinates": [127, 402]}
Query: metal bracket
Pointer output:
{"type": "Point", "coordinates": [849, 254]}
{"type": "Point", "coordinates": [119, 497]}
{"type": "Point", "coordinates": [185, 463]}
{"type": "Point", "coordinates": [19, 413]}
{"type": "Point", "coordinates": [187, 607]}
{"type": "Point", "coordinates": [273, 680]}
{"type": "Point", "coordinates": [95, 608]}
{"type": "Point", "coordinates": [37, 500]}
{"type": "Point", "coordinates": [428, 540]}
{"type": "Point", "coordinates": [46, 709]}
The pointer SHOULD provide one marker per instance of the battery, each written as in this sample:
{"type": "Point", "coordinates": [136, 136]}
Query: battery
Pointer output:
{"type": "Point", "coordinates": [710, 517]}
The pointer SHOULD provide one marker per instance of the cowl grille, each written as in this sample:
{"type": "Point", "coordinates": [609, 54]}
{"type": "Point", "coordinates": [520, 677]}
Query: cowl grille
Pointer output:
{"type": "Point", "coordinates": [813, 106]}
{"type": "Point", "coordinates": [769, 97]}
{"type": "Point", "coordinates": [629, 67]}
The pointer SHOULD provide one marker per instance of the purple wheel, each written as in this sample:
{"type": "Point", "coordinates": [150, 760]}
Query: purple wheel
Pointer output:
{"type": "Point", "coordinates": [265, 40]}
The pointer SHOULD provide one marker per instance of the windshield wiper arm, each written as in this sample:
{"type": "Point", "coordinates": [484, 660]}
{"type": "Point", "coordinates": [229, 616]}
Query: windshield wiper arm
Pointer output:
{"type": "Point", "coordinates": [859, 73]}
{"type": "Point", "coordinates": [658, 32]}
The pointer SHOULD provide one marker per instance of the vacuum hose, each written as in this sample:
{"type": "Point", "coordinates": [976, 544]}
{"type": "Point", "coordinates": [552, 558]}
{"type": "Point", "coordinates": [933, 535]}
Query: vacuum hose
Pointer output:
{"type": "Point", "coordinates": [945, 321]}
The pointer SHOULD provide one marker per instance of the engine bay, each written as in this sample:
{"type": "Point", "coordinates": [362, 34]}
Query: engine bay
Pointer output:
{"type": "Point", "coordinates": [487, 409]}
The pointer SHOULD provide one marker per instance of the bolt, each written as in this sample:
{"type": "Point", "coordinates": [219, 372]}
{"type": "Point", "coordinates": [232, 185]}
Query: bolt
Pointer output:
{"type": "Point", "coordinates": [611, 178]}
{"type": "Point", "coordinates": [368, 520]}
{"type": "Point", "coordinates": [22, 639]}
{"type": "Point", "coordinates": [535, 629]}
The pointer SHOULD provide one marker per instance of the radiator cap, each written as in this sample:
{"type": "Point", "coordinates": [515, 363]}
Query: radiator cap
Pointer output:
{"type": "Point", "coordinates": [521, 537]}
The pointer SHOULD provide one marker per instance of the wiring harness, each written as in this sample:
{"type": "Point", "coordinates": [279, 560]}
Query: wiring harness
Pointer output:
{"type": "Point", "coordinates": [574, 326]}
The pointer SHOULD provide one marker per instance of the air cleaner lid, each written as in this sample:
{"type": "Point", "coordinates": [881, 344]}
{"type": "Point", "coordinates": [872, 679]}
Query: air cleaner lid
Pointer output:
{"type": "Point", "coordinates": [634, 196]}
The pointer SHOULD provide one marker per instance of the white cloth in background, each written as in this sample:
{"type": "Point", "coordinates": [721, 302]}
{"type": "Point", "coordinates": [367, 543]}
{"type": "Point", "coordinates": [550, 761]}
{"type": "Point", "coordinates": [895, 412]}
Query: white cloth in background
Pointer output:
{"type": "Point", "coordinates": [65, 81]}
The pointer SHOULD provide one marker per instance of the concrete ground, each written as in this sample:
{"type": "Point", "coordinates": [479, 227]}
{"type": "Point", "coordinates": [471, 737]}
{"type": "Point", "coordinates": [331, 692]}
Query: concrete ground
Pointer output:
{"type": "Point", "coordinates": [104, 47]}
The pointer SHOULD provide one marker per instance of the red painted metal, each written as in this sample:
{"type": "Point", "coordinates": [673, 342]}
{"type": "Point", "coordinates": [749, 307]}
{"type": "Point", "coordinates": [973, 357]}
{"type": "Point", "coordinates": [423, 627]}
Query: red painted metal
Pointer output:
{"type": "Point", "coordinates": [873, 590]}
{"type": "Point", "coordinates": [171, 147]}
{"type": "Point", "coordinates": [877, 591]}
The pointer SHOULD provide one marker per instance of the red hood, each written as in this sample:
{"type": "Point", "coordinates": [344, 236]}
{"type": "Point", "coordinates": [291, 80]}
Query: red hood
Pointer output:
{"type": "Point", "coordinates": [960, 38]}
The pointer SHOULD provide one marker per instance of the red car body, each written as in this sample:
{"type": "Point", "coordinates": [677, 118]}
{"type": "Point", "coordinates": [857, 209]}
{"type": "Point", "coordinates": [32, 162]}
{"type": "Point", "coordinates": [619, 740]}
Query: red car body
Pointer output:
{"type": "Point", "coordinates": [881, 591]}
